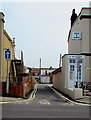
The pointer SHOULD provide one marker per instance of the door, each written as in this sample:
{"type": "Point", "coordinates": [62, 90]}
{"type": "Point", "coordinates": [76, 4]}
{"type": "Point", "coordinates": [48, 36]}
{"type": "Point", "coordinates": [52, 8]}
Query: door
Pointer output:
{"type": "Point", "coordinates": [74, 74]}
{"type": "Point", "coordinates": [71, 73]}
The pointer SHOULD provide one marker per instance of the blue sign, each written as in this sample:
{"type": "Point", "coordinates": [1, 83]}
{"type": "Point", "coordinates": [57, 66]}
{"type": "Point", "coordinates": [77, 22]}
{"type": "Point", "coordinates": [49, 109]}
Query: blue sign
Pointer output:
{"type": "Point", "coordinates": [7, 54]}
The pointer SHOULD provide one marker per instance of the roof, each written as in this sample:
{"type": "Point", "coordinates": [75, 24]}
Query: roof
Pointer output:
{"type": "Point", "coordinates": [57, 70]}
{"type": "Point", "coordinates": [6, 34]}
{"type": "Point", "coordinates": [85, 8]}
{"type": "Point", "coordinates": [85, 16]}
{"type": "Point", "coordinates": [2, 13]}
{"type": "Point", "coordinates": [2, 17]}
{"type": "Point", "coordinates": [44, 68]}
{"type": "Point", "coordinates": [86, 54]}
{"type": "Point", "coordinates": [70, 54]}
{"type": "Point", "coordinates": [48, 68]}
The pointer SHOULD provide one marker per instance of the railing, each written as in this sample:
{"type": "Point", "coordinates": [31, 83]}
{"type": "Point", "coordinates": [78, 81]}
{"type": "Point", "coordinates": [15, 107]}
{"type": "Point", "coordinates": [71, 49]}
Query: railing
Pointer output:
{"type": "Point", "coordinates": [86, 86]}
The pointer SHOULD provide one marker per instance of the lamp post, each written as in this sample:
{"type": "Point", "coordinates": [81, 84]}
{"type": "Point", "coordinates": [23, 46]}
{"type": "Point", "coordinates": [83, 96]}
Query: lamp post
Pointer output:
{"type": "Point", "coordinates": [40, 71]}
{"type": "Point", "coordinates": [7, 57]}
{"type": "Point", "coordinates": [78, 65]}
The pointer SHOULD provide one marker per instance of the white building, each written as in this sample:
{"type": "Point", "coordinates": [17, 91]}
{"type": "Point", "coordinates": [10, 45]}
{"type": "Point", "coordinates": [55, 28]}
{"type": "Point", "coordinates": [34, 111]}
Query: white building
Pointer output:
{"type": "Point", "coordinates": [76, 65]}
{"type": "Point", "coordinates": [45, 75]}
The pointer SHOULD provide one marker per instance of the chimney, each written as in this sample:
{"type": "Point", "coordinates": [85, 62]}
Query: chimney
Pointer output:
{"type": "Point", "coordinates": [1, 42]}
{"type": "Point", "coordinates": [14, 41]}
{"type": "Point", "coordinates": [73, 17]}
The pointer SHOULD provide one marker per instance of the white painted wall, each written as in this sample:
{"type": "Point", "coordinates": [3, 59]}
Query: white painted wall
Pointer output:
{"type": "Point", "coordinates": [60, 81]}
{"type": "Point", "coordinates": [45, 79]}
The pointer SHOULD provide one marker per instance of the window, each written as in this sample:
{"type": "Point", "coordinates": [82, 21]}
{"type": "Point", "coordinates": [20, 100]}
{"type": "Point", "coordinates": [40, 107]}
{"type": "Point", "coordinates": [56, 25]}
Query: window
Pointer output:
{"type": "Point", "coordinates": [79, 73]}
{"type": "Point", "coordinates": [45, 72]}
{"type": "Point", "coordinates": [72, 61]}
{"type": "Point", "coordinates": [72, 68]}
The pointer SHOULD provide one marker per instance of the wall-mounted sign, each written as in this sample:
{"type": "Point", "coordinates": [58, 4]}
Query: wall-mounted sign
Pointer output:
{"type": "Point", "coordinates": [76, 35]}
{"type": "Point", "coordinates": [7, 55]}
{"type": "Point", "coordinates": [75, 56]}
{"type": "Point", "coordinates": [88, 69]}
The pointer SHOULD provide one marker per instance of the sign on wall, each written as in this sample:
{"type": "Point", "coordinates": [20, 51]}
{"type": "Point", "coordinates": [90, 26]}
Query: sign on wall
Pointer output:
{"type": "Point", "coordinates": [76, 35]}
{"type": "Point", "coordinates": [88, 69]}
{"type": "Point", "coordinates": [75, 56]}
{"type": "Point", "coordinates": [7, 55]}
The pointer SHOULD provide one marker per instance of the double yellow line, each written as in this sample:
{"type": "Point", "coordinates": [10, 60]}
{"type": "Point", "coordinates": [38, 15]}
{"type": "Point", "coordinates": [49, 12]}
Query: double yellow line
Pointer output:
{"type": "Point", "coordinates": [65, 98]}
{"type": "Point", "coordinates": [32, 96]}
{"type": "Point", "coordinates": [34, 92]}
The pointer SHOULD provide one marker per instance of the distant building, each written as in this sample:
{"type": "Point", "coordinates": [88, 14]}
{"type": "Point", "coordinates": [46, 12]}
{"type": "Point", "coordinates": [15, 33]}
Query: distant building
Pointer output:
{"type": "Point", "coordinates": [35, 71]}
{"type": "Point", "coordinates": [45, 76]}
{"type": "Point", "coordinates": [47, 71]}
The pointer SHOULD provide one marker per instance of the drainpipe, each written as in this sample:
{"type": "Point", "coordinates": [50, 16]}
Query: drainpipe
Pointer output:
{"type": "Point", "coordinates": [1, 42]}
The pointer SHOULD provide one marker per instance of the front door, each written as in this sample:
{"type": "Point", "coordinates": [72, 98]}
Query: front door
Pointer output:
{"type": "Point", "coordinates": [74, 73]}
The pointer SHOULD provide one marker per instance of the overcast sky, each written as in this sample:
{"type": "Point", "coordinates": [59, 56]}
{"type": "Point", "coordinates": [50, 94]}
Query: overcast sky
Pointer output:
{"type": "Point", "coordinates": [40, 28]}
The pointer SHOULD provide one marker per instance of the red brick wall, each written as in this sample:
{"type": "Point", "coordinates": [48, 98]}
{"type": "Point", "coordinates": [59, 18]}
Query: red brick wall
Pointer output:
{"type": "Point", "coordinates": [3, 88]}
{"type": "Point", "coordinates": [18, 89]}
{"type": "Point", "coordinates": [27, 86]}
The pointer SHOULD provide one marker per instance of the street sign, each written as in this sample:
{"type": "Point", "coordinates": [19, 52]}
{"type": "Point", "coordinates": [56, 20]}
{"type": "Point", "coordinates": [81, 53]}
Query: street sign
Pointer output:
{"type": "Point", "coordinates": [76, 36]}
{"type": "Point", "coordinates": [7, 55]}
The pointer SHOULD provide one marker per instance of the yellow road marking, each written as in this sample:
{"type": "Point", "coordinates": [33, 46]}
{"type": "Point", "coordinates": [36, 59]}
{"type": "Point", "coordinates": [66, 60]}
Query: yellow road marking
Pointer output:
{"type": "Point", "coordinates": [12, 101]}
{"type": "Point", "coordinates": [22, 100]}
{"type": "Point", "coordinates": [65, 98]}
{"type": "Point", "coordinates": [35, 91]}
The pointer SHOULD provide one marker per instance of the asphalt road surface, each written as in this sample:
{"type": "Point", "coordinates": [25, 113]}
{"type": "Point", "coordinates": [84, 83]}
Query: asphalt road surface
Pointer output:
{"type": "Point", "coordinates": [45, 104]}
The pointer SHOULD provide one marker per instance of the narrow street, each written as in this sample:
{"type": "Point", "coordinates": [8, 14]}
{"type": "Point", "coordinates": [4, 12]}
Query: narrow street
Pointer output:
{"type": "Point", "coordinates": [45, 104]}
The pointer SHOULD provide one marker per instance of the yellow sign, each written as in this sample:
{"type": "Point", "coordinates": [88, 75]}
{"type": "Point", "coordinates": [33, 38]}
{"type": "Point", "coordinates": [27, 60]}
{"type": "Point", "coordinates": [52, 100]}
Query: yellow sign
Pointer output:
{"type": "Point", "coordinates": [88, 69]}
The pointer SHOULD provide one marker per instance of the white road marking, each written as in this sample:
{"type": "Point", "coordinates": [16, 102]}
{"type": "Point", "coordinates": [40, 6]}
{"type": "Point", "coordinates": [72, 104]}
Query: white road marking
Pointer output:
{"type": "Point", "coordinates": [45, 102]}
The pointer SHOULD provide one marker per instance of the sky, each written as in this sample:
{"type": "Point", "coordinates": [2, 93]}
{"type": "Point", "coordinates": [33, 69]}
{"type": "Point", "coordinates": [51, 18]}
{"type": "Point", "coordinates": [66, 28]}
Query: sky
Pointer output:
{"type": "Point", "coordinates": [40, 28]}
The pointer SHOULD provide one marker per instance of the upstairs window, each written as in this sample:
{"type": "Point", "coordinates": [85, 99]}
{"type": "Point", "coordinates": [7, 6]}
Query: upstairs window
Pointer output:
{"type": "Point", "coordinates": [72, 61]}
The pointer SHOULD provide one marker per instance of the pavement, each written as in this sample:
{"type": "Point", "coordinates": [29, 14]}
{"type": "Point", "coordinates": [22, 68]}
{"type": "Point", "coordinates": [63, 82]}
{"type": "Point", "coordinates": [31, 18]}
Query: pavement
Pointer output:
{"type": "Point", "coordinates": [5, 99]}
{"type": "Point", "coordinates": [9, 99]}
{"type": "Point", "coordinates": [85, 99]}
